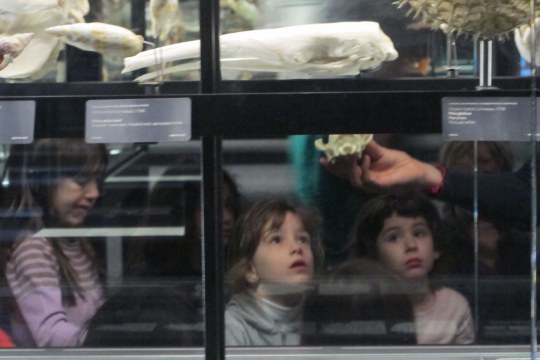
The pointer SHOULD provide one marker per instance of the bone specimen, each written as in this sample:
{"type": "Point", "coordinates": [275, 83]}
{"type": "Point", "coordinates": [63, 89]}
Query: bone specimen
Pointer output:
{"type": "Point", "coordinates": [344, 48]}
{"type": "Point", "coordinates": [239, 15]}
{"type": "Point", "coordinates": [103, 38]}
{"type": "Point", "coordinates": [41, 52]}
{"type": "Point", "coordinates": [11, 46]}
{"type": "Point", "coordinates": [28, 6]}
{"type": "Point", "coordinates": [343, 144]}
{"type": "Point", "coordinates": [522, 38]}
{"type": "Point", "coordinates": [34, 16]}
{"type": "Point", "coordinates": [167, 24]}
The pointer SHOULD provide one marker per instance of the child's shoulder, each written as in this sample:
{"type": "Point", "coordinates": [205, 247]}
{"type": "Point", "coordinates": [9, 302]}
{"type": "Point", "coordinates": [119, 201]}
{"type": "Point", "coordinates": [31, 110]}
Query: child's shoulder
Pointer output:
{"type": "Point", "coordinates": [450, 296]}
{"type": "Point", "coordinates": [31, 243]}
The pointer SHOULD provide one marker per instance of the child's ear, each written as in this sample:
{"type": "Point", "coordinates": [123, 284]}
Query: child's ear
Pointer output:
{"type": "Point", "coordinates": [250, 274]}
{"type": "Point", "coordinates": [436, 255]}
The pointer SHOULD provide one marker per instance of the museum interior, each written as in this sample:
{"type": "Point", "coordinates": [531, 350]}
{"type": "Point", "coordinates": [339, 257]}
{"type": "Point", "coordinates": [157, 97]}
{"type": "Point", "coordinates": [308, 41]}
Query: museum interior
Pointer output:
{"type": "Point", "coordinates": [230, 179]}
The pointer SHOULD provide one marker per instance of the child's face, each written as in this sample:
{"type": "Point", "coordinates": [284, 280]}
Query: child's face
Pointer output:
{"type": "Point", "coordinates": [405, 246]}
{"type": "Point", "coordinates": [283, 256]}
{"type": "Point", "coordinates": [72, 201]}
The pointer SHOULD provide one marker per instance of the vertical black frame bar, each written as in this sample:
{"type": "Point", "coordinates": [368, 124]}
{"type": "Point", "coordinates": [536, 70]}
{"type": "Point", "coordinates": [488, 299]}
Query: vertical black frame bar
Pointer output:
{"type": "Point", "coordinates": [212, 244]}
{"type": "Point", "coordinates": [534, 185]}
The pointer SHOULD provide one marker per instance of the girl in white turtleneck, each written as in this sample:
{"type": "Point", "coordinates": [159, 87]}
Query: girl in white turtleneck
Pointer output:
{"type": "Point", "coordinates": [273, 255]}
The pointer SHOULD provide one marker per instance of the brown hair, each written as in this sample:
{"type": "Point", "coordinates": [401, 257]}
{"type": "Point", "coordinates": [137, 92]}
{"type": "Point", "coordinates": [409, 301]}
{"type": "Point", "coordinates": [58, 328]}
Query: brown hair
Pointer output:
{"type": "Point", "coordinates": [32, 173]}
{"type": "Point", "coordinates": [249, 229]}
{"type": "Point", "coordinates": [452, 151]}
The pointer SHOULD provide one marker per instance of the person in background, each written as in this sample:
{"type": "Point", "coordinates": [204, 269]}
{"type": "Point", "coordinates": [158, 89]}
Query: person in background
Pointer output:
{"type": "Point", "coordinates": [498, 246]}
{"type": "Point", "coordinates": [273, 256]}
{"type": "Point", "coordinates": [52, 183]}
{"type": "Point", "coordinates": [401, 230]}
{"type": "Point", "coordinates": [179, 256]}
{"type": "Point", "coordinates": [161, 299]}
{"type": "Point", "coordinates": [381, 169]}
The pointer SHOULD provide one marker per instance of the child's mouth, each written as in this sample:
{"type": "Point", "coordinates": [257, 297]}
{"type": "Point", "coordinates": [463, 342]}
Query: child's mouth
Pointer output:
{"type": "Point", "coordinates": [298, 264]}
{"type": "Point", "coordinates": [413, 263]}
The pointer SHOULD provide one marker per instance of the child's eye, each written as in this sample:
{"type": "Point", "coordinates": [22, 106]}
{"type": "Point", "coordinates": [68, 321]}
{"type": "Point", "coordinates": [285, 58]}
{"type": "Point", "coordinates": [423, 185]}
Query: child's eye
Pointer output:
{"type": "Point", "coordinates": [274, 239]}
{"type": "Point", "coordinates": [421, 232]}
{"type": "Point", "coordinates": [392, 237]}
{"type": "Point", "coordinates": [304, 239]}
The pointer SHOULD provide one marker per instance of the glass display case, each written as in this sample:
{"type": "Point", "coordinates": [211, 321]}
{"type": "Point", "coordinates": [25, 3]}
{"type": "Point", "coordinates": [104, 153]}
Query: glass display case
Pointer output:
{"type": "Point", "coordinates": [174, 119]}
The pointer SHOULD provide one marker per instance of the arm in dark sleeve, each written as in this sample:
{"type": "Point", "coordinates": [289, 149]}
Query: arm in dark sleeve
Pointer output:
{"type": "Point", "coordinates": [504, 197]}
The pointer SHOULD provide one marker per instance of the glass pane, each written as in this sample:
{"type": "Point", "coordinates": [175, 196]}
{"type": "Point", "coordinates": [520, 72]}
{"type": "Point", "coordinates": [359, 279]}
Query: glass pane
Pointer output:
{"type": "Point", "coordinates": [140, 240]}
{"type": "Point", "coordinates": [400, 268]}
{"type": "Point", "coordinates": [89, 40]}
{"type": "Point", "coordinates": [102, 253]}
{"type": "Point", "coordinates": [408, 39]}
{"type": "Point", "coordinates": [398, 45]}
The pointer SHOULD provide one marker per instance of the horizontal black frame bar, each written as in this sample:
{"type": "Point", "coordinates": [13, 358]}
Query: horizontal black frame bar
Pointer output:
{"type": "Point", "coordinates": [263, 112]}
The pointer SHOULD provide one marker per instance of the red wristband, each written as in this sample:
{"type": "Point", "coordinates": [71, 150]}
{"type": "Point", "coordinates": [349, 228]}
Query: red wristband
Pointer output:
{"type": "Point", "coordinates": [436, 189]}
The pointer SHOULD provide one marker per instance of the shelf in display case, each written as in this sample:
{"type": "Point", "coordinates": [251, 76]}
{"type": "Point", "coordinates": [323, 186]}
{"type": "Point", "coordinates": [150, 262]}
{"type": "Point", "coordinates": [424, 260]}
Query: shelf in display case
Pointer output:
{"type": "Point", "coordinates": [272, 108]}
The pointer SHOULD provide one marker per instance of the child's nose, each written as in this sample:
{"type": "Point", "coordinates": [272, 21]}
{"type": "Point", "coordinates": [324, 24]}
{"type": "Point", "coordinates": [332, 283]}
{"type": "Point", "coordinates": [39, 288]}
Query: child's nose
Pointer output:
{"type": "Point", "coordinates": [410, 242]}
{"type": "Point", "coordinates": [296, 247]}
{"type": "Point", "coordinates": [91, 189]}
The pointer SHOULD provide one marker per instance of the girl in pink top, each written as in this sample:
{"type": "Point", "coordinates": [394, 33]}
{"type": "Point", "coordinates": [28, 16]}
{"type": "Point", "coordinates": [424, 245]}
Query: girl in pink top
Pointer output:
{"type": "Point", "coordinates": [401, 231]}
{"type": "Point", "coordinates": [52, 183]}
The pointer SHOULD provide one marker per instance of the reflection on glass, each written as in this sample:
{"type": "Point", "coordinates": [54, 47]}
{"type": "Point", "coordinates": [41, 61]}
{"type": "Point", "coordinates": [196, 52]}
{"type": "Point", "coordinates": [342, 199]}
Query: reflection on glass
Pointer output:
{"type": "Point", "coordinates": [124, 269]}
{"type": "Point", "coordinates": [361, 302]}
{"type": "Point", "coordinates": [155, 298]}
{"type": "Point", "coordinates": [53, 281]}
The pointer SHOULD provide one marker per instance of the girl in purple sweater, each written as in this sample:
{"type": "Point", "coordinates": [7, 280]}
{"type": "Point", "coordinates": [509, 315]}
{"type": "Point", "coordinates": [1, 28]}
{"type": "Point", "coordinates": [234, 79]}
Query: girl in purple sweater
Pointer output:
{"type": "Point", "coordinates": [52, 184]}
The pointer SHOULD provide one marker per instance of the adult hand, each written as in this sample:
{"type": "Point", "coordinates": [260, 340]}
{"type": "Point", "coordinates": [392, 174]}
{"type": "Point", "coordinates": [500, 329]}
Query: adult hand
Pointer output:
{"type": "Point", "coordinates": [381, 168]}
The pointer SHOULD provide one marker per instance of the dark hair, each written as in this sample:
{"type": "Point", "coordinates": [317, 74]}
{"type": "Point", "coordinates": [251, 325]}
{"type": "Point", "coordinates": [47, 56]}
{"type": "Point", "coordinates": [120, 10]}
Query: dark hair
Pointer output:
{"type": "Point", "coordinates": [371, 217]}
{"type": "Point", "coordinates": [249, 229]}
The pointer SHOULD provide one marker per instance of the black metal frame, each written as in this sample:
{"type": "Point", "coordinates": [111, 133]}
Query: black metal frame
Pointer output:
{"type": "Point", "coordinates": [255, 109]}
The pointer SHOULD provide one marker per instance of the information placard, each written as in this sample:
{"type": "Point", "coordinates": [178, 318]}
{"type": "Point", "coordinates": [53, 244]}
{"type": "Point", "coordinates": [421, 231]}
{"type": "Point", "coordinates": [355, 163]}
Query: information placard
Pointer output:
{"type": "Point", "coordinates": [138, 120]}
{"type": "Point", "coordinates": [486, 118]}
{"type": "Point", "coordinates": [17, 121]}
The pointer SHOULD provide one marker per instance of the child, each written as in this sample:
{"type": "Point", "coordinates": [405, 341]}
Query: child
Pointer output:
{"type": "Point", "coordinates": [52, 183]}
{"type": "Point", "coordinates": [273, 254]}
{"type": "Point", "coordinates": [401, 231]}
